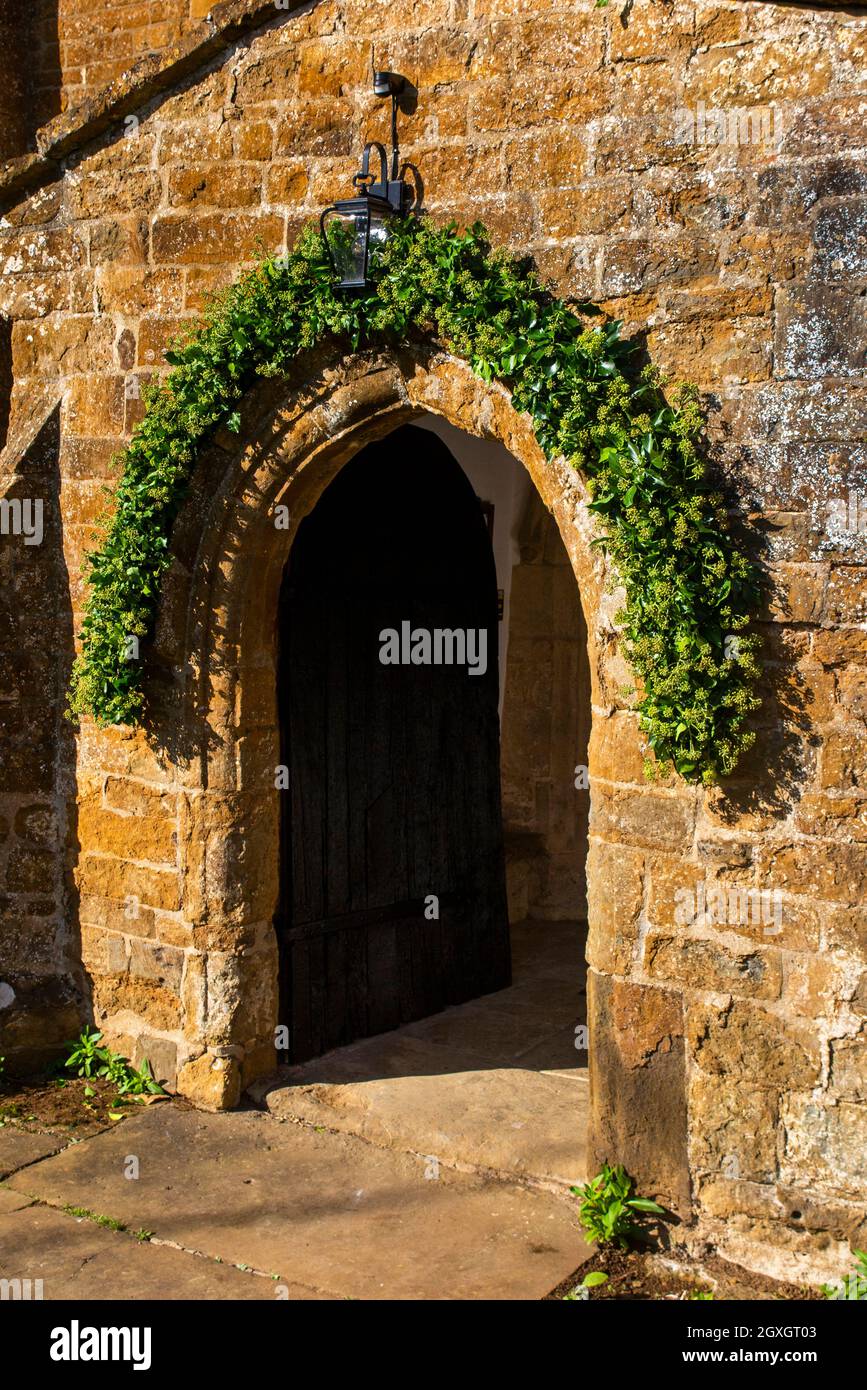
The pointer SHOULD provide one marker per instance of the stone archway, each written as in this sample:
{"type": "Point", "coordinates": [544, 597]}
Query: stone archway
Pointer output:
{"type": "Point", "coordinates": [204, 1000]}
{"type": "Point", "coordinates": [216, 641]}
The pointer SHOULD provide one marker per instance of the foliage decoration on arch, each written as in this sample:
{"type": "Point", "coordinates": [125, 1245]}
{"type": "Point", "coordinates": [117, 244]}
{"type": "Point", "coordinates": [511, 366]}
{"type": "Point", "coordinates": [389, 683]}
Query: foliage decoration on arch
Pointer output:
{"type": "Point", "coordinates": [689, 591]}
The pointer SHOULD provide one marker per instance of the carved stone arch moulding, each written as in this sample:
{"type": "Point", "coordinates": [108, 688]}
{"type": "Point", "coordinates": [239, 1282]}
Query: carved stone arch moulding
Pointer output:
{"type": "Point", "coordinates": [214, 719]}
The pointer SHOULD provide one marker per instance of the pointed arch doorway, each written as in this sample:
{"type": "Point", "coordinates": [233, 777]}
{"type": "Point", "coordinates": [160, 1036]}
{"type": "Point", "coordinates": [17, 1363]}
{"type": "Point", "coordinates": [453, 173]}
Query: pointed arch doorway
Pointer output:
{"type": "Point", "coordinates": [393, 891]}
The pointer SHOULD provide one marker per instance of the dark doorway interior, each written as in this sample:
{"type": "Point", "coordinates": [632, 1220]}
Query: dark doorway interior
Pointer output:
{"type": "Point", "coordinates": [393, 795]}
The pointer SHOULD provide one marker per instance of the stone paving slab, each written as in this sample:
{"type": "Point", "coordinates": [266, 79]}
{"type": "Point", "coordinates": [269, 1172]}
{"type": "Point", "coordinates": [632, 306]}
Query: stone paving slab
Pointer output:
{"type": "Point", "coordinates": [12, 1201]}
{"type": "Point", "coordinates": [518, 1123]}
{"type": "Point", "coordinates": [327, 1211]}
{"type": "Point", "coordinates": [76, 1259]}
{"type": "Point", "coordinates": [19, 1147]}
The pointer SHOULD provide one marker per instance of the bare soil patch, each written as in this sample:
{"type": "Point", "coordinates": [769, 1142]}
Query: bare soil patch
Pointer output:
{"type": "Point", "coordinates": [648, 1275]}
{"type": "Point", "coordinates": [75, 1107]}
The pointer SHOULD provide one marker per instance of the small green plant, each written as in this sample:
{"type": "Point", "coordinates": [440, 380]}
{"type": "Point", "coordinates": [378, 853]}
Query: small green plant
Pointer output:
{"type": "Point", "coordinates": [89, 1059]}
{"type": "Point", "coordinates": [143, 1236]}
{"type": "Point", "coordinates": [581, 1292]}
{"type": "Point", "coordinates": [700, 1296]}
{"type": "Point", "coordinates": [852, 1285]}
{"type": "Point", "coordinates": [607, 1210]}
{"type": "Point", "coordinates": [115, 1069]}
{"type": "Point", "coordinates": [139, 1083]}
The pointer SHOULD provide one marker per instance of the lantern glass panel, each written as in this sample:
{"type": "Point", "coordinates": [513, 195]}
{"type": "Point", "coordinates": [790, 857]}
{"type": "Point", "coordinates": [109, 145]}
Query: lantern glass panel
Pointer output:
{"type": "Point", "coordinates": [346, 232]}
{"type": "Point", "coordinates": [380, 217]}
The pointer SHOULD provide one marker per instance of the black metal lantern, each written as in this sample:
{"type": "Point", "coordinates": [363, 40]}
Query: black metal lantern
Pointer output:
{"type": "Point", "coordinates": [355, 229]}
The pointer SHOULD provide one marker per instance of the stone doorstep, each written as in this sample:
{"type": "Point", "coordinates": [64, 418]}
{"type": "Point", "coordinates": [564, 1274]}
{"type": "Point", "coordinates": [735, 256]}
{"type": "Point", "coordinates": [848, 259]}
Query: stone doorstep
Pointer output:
{"type": "Point", "coordinates": [326, 1212]}
{"type": "Point", "coordinates": [399, 1092]}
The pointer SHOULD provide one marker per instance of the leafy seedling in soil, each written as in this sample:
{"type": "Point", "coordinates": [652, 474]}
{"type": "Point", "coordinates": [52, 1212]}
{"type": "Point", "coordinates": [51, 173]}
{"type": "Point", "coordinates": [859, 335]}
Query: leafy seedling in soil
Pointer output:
{"type": "Point", "coordinates": [581, 1292]}
{"type": "Point", "coordinates": [87, 1058]}
{"type": "Point", "coordinates": [141, 1082]}
{"type": "Point", "coordinates": [607, 1211]}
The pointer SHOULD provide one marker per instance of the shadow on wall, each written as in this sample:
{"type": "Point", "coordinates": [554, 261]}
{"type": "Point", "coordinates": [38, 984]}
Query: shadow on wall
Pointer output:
{"type": "Point", "coordinates": [39, 937]}
{"type": "Point", "coordinates": [546, 729]}
{"type": "Point", "coordinates": [31, 78]}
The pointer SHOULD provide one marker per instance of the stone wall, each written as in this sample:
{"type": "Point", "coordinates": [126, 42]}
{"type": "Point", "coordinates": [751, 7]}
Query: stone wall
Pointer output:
{"type": "Point", "coordinates": [40, 953]}
{"type": "Point", "coordinates": [728, 1060]}
{"type": "Point", "coordinates": [56, 53]}
{"type": "Point", "coordinates": [100, 39]}
{"type": "Point", "coordinates": [546, 717]}
{"type": "Point", "coordinates": [30, 90]}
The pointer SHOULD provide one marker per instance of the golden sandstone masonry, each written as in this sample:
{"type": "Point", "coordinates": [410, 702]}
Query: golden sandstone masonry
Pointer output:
{"type": "Point", "coordinates": [695, 169]}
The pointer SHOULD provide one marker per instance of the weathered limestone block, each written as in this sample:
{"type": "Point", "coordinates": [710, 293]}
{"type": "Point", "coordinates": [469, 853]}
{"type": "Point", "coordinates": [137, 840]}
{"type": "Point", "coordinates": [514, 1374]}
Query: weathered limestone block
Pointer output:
{"type": "Point", "coordinates": [208, 238]}
{"type": "Point", "coordinates": [711, 963]}
{"type": "Point", "coordinates": [849, 1067]}
{"type": "Point", "coordinates": [240, 993]}
{"type": "Point", "coordinates": [617, 879]}
{"type": "Point", "coordinates": [110, 877]}
{"type": "Point", "coordinates": [147, 838]}
{"type": "Point", "coordinates": [212, 1083]}
{"type": "Point", "coordinates": [230, 855]}
{"type": "Point", "coordinates": [151, 961]}
{"type": "Point", "coordinates": [638, 1085]}
{"type": "Point", "coordinates": [642, 818]}
{"type": "Point", "coordinates": [152, 1002]}
{"type": "Point", "coordinates": [735, 1129]}
{"type": "Point", "coordinates": [744, 1041]}
{"type": "Point", "coordinates": [746, 1059]}
{"type": "Point", "coordinates": [617, 752]}
{"type": "Point", "coordinates": [673, 889]}
{"type": "Point", "coordinates": [825, 1144]}
{"type": "Point", "coordinates": [820, 327]}
{"type": "Point", "coordinates": [832, 871]}
{"type": "Point", "coordinates": [104, 952]}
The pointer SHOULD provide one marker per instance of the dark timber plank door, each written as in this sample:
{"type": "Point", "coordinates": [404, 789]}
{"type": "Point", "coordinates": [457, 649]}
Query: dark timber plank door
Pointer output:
{"type": "Point", "coordinates": [394, 776]}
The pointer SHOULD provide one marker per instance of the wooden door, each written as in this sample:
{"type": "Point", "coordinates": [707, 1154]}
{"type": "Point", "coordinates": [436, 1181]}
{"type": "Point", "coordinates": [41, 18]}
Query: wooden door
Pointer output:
{"type": "Point", "coordinates": [394, 777]}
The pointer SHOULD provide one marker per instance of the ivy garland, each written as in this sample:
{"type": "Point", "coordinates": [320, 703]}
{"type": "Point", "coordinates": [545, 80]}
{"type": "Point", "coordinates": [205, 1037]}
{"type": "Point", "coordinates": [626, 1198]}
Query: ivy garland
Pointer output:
{"type": "Point", "coordinates": [689, 592]}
